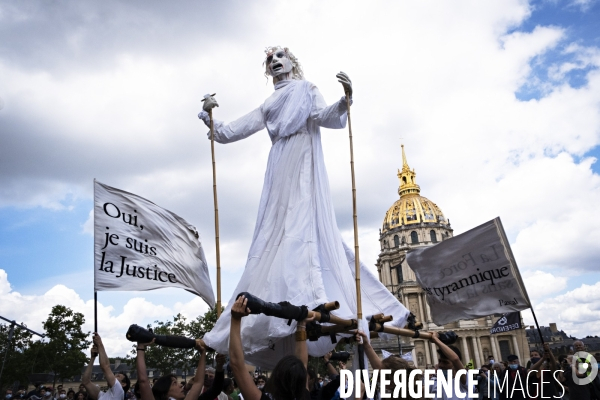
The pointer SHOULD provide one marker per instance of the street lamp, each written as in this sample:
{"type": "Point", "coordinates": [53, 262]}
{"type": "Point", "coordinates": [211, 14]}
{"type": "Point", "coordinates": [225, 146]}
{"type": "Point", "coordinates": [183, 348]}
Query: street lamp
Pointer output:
{"type": "Point", "coordinates": [11, 333]}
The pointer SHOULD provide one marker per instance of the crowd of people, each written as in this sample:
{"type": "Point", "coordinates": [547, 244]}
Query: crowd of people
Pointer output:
{"type": "Point", "coordinates": [543, 376]}
{"type": "Point", "coordinates": [41, 392]}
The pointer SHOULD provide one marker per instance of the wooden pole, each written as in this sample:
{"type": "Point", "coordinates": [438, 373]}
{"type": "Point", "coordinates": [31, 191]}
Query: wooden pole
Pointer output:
{"type": "Point", "coordinates": [218, 248]}
{"type": "Point", "coordinates": [355, 217]}
{"type": "Point", "coordinates": [536, 324]}
{"type": "Point", "coordinates": [95, 311]}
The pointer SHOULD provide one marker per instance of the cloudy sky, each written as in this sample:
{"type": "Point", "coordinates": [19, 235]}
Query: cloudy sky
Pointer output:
{"type": "Point", "coordinates": [496, 102]}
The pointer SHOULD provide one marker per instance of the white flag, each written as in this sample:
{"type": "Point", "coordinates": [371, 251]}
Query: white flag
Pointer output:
{"type": "Point", "coordinates": [385, 353]}
{"type": "Point", "coordinates": [470, 275]}
{"type": "Point", "coordinates": [141, 246]}
{"type": "Point", "coordinates": [407, 356]}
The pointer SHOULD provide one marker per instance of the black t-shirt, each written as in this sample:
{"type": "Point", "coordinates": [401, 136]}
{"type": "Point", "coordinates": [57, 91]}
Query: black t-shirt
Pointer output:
{"type": "Point", "coordinates": [215, 389]}
{"type": "Point", "coordinates": [579, 392]}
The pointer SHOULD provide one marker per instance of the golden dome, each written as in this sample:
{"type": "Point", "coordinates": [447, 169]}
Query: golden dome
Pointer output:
{"type": "Point", "coordinates": [411, 208]}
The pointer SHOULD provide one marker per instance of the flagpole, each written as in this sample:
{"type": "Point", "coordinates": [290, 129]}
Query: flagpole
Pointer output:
{"type": "Point", "coordinates": [217, 244]}
{"type": "Point", "coordinates": [94, 253]}
{"type": "Point", "coordinates": [538, 326]}
{"type": "Point", "coordinates": [95, 311]}
{"type": "Point", "coordinates": [354, 217]}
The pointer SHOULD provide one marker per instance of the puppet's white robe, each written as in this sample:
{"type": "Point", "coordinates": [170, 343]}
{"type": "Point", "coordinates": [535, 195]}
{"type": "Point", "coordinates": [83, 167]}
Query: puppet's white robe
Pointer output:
{"type": "Point", "coordinates": [297, 253]}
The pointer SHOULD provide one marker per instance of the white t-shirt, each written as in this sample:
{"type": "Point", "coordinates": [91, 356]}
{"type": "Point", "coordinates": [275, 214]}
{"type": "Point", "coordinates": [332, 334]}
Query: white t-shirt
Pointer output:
{"type": "Point", "coordinates": [114, 393]}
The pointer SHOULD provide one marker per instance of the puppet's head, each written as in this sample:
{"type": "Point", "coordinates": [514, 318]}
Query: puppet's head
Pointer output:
{"type": "Point", "coordinates": [280, 60]}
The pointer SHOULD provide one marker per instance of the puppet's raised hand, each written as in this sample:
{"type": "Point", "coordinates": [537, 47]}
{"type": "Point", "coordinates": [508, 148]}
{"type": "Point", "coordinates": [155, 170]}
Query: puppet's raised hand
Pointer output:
{"type": "Point", "coordinates": [345, 81]}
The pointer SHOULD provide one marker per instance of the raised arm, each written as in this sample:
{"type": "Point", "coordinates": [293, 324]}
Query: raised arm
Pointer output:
{"type": "Point", "coordinates": [92, 390]}
{"type": "Point", "coordinates": [550, 357]}
{"type": "Point", "coordinates": [537, 365]}
{"type": "Point", "coordinates": [236, 351]}
{"type": "Point", "coordinates": [142, 380]}
{"type": "Point", "coordinates": [239, 129]}
{"type": "Point", "coordinates": [217, 386]}
{"type": "Point", "coordinates": [301, 349]}
{"type": "Point", "coordinates": [198, 379]}
{"type": "Point", "coordinates": [333, 116]}
{"type": "Point", "coordinates": [104, 361]}
{"type": "Point", "coordinates": [450, 355]}
{"type": "Point", "coordinates": [330, 368]}
{"type": "Point", "coordinates": [371, 355]}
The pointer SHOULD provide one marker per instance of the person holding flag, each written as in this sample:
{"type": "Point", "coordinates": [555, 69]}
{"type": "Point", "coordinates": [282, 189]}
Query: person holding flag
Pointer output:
{"type": "Point", "coordinates": [449, 362]}
{"type": "Point", "coordinates": [118, 384]}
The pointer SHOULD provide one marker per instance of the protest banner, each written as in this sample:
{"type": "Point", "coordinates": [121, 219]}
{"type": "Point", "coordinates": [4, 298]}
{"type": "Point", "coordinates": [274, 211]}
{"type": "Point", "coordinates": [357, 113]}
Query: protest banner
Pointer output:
{"type": "Point", "coordinates": [471, 275]}
{"type": "Point", "coordinates": [508, 322]}
{"type": "Point", "coordinates": [140, 246]}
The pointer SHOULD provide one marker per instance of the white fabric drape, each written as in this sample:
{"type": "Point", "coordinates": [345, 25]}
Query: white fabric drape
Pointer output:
{"type": "Point", "coordinates": [297, 253]}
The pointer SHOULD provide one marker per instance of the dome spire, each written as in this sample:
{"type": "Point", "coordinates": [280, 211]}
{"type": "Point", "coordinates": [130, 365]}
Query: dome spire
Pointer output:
{"type": "Point", "coordinates": [408, 182]}
{"type": "Point", "coordinates": [404, 162]}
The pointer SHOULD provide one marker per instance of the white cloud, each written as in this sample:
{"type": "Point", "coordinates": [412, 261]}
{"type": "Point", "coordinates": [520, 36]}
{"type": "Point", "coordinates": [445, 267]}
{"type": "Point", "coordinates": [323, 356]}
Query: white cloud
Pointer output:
{"type": "Point", "coordinates": [88, 225]}
{"type": "Point", "coordinates": [584, 5]}
{"type": "Point", "coordinates": [540, 284]}
{"type": "Point", "coordinates": [34, 309]}
{"type": "Point", "coordinates": [577, 312]}
{"type": "Point", "coordinates": [441, 76]}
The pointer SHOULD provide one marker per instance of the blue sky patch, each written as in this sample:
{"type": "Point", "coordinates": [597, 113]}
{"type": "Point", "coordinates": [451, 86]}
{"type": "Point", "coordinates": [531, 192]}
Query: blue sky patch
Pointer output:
{"type": "Point", "coordinates": [581, 25]}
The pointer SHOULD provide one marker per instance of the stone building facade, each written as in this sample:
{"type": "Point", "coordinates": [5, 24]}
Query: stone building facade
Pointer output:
{"type": "Point", "coordinates": [415, 221]}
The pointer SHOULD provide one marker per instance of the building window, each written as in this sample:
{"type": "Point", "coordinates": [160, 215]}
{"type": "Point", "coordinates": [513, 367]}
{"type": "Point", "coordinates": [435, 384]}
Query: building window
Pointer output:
{"type": "Point", "coordinates": [399, 275]}
{"type": "Point", "coordinates": [414, 238]}
{"type": "Point", "coordinates": [420, 358]}
{"type": "Point", "coordinates": [433, 236]}
{"type": "Point", "coordinates": [396, 241]}
{"type": "Point", "coordinates": [504, 349]}
{"type": "Point", "coordinates": [486, 353]}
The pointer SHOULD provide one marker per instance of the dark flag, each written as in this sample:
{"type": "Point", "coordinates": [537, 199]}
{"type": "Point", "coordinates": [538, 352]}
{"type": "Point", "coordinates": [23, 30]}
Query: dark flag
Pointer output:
{"type": "Point", "coordinates": [508, 322]}
{"type": "Point", "coordinates": [471, 275]}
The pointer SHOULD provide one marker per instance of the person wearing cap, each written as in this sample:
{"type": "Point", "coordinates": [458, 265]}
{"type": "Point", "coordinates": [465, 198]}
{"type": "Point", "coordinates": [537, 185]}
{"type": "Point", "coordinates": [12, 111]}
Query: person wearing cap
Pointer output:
{"type": "Point", "coordinates": [515, 377]}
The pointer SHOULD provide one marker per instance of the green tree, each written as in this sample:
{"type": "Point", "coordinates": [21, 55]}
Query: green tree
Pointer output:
{"type": "Point", "coordinates": [64, 353]}
{"type": "Point", "coordinates": [166, 359]}
{"type": "Point", "coordinates": [17, 365]}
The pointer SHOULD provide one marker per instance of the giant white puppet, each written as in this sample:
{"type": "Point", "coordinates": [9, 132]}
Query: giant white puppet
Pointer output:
{"type": "Point", "coordinates": [297, 252]}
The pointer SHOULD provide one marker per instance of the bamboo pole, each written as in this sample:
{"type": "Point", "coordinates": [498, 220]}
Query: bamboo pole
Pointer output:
{"type": "Point", "coordinates": [218, 248]}
{"type": "Point", "coordinates": [354, 217]}
{"type": "Point", "coordinates": [402, 331]}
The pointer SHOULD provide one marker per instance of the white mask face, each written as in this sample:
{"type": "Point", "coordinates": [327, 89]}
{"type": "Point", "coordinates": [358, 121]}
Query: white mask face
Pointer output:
{"type": "Point", "coordinates": [279, 63]}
